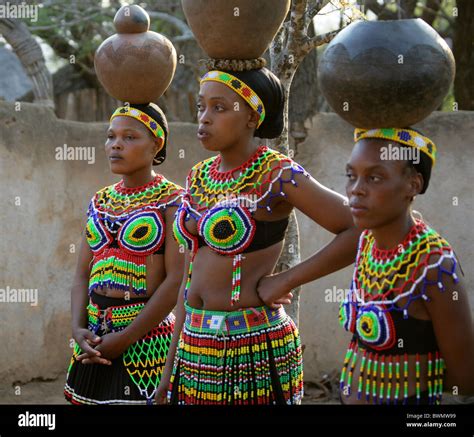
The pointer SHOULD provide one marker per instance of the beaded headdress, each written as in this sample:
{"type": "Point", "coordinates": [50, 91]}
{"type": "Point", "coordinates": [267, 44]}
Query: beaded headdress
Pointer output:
{"type": "Point", "coordinates": [152, 125]}
{"type": "Point", "coordinates": [408, 137]}
{"type": "Point", "coordinates": [240, 87]}
{"type": "Point", "coordinates": [149, 122]}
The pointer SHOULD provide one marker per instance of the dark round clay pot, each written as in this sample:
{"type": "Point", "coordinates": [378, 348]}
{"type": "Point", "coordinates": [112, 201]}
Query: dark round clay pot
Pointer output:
{"type": "Point", "coordinates": [238, 29]}
{"type": "Point", "coordinates": [135, 65]}
{"type": "Point", "coordinates": [386, 73]}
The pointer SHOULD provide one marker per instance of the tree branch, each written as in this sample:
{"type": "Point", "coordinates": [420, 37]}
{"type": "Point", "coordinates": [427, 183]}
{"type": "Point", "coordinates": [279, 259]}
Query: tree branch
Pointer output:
{"type": "Point", "coordinates": [297, 24]}
{"type": "Point", "coordinates": [318, 40]}
{"type": "Point", "coordinates": [178, 23]}
{"type": "Point", "coordinates": [427, 12]}
{"type": "Point", "coordinates": [61, 23]}
{"type": "Point", "coordinates": [277, 45]}
{"type": "Point", "coordinates": [29, 52]}
{"type": "Point", "coordinates": [314, 9]}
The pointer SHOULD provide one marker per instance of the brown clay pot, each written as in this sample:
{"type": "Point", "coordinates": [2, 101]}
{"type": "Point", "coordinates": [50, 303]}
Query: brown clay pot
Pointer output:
{"type": "Point", "coordinates": [136, 65]}
{"type": "Point", "coordinates": [377, 74]}
{"type": "Point", "coordinates": [223, 34]}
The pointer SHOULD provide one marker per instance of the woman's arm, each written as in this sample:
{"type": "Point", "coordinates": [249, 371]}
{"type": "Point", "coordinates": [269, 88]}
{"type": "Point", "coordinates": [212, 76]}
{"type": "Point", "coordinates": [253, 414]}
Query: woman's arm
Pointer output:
{"type": "Point", "coordinates": [451, 316]}
{"type": "Point", "coordinates": [79, 300]}
{"type": "Point", "coordinates": [160, 304]}
{"type": "Point", "coordinates": [161, 392]}
{"type": "Point", "coordinates": [326, 208]}
{"type": "Point", "coordinates": [80, 286]}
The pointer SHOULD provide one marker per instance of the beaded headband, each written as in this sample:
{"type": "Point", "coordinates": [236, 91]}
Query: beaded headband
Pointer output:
{"type": "Point", "coordinates": [241, 88]}
{"type": "Point", "coordinates": [407, 137]}
{"type": "Point", "coordinates": [149, 122]}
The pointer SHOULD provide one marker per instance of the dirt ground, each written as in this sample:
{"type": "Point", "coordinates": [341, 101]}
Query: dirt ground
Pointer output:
{"type": "Point", "coordinates": [51, 392]}
{"type": "Point", "coordinates": [35, 392]}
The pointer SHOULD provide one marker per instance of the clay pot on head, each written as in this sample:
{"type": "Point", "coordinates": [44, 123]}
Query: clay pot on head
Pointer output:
{"type": "Point", "coordinates": [238, 29]}
{"type": "Point", "coordinates": [386, 73]}
{"type": "Point", "coordinates": [136, 65]}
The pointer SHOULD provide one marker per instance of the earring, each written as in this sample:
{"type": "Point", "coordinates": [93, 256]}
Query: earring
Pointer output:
{"type": "Point", "coordinates": [416, 214]}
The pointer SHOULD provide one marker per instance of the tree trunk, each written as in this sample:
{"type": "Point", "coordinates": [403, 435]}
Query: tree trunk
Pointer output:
{"type": "Point", "coordinates": [31, 57]}
{"type": "Point", "coordinates": [288, 49]}
{"type": "Point", "coordinates": [304, 96]}
{"type": "Point", "coordinates": [290, 255]}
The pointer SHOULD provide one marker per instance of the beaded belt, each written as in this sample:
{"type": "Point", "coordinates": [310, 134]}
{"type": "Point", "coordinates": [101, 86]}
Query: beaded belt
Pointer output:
{"type": "Point", "coordinates": [232, 322]}
{"type": "Point", "coordinates": [116, 318]}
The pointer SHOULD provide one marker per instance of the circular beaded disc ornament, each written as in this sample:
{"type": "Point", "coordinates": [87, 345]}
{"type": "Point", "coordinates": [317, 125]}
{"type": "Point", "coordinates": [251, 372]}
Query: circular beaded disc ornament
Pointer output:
{"type": "Point", "coordinates": [347, 315]}
{"type": "Point", "coordinates": [227, 228]}
{"type": "Point", "coordinates": [97, 235]}
{"type": "Point", "coordinates": [181, 234]}
{"type": "Point", "coordinates": [375, 327]}
{"type": "Point", "coordinates": [143, 233]}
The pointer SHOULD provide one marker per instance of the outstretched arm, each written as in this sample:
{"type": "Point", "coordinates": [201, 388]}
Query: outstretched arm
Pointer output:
{"type": "Point", "coordinates": [326, 208]}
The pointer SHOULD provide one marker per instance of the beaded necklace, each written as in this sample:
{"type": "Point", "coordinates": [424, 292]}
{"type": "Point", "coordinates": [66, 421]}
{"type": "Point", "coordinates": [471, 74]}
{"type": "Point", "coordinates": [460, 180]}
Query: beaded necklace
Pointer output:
{"type": "Point", "coordinates": [124, 226]}
{"type": "Point", "coordinates": [223, 204]}
{"type": "Point", "coordinates": [381, 279]}
{"type": "Point", "coordinates": [378, 271]}
{"type": "Point", "coordinates": [118, 199]}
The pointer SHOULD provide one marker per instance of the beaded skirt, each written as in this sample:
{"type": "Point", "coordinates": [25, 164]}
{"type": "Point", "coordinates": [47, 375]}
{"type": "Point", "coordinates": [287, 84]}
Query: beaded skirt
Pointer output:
{"type": "Point", "coordinates": [134, 376]}
{"type": "Point", "coordinates": [245, 357]}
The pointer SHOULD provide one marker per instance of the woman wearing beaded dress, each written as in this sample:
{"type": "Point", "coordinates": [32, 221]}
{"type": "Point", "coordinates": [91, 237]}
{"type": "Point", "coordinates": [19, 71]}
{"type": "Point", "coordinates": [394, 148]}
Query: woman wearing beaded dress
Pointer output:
{"type": "Point", "coordinates": [229, 347]}
{"type": "Point", "coordinates": [407, 307]}
{"type": "Point", "coordinates": [129, 269]}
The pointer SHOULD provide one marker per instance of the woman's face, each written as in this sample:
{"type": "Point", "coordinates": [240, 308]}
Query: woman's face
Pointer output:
{"type": "Point", "coordinates": [130, 146]}
{"type": "Point", "coordinates": [379, 191]}
{"type": "Point", "coordinates": [224, 117]}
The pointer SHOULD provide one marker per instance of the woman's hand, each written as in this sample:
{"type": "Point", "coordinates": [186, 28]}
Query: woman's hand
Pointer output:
{"type": "Point", "coordinates": [87, 341]}
{"type": "Point", "coordinates": [112, 345]}
{"type": "Point", "coordinates": [274, 291]}
{"type": "Point", "coordinates": [161, 397]}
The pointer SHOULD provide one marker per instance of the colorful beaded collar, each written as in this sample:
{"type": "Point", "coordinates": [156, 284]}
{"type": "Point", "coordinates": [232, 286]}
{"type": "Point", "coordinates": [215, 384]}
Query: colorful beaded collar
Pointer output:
{"type": "Point", "coordinates": [377, 271]}
{"type": "Point", "coordinates": [118, 200]}
{"type": "Point", "coordinates": [120, 188]}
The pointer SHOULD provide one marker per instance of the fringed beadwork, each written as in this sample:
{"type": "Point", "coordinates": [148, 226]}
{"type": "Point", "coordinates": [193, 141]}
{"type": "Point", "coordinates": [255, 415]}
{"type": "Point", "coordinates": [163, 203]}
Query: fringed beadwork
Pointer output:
{"type": "Point", "coordinates": [124, 226]}
{"type": "Point", "coordinates": [381, 279]}
{"type": "Point", "coordinates": [225, 358]}
{"type": "Point", "coordinates": [236, 274]}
